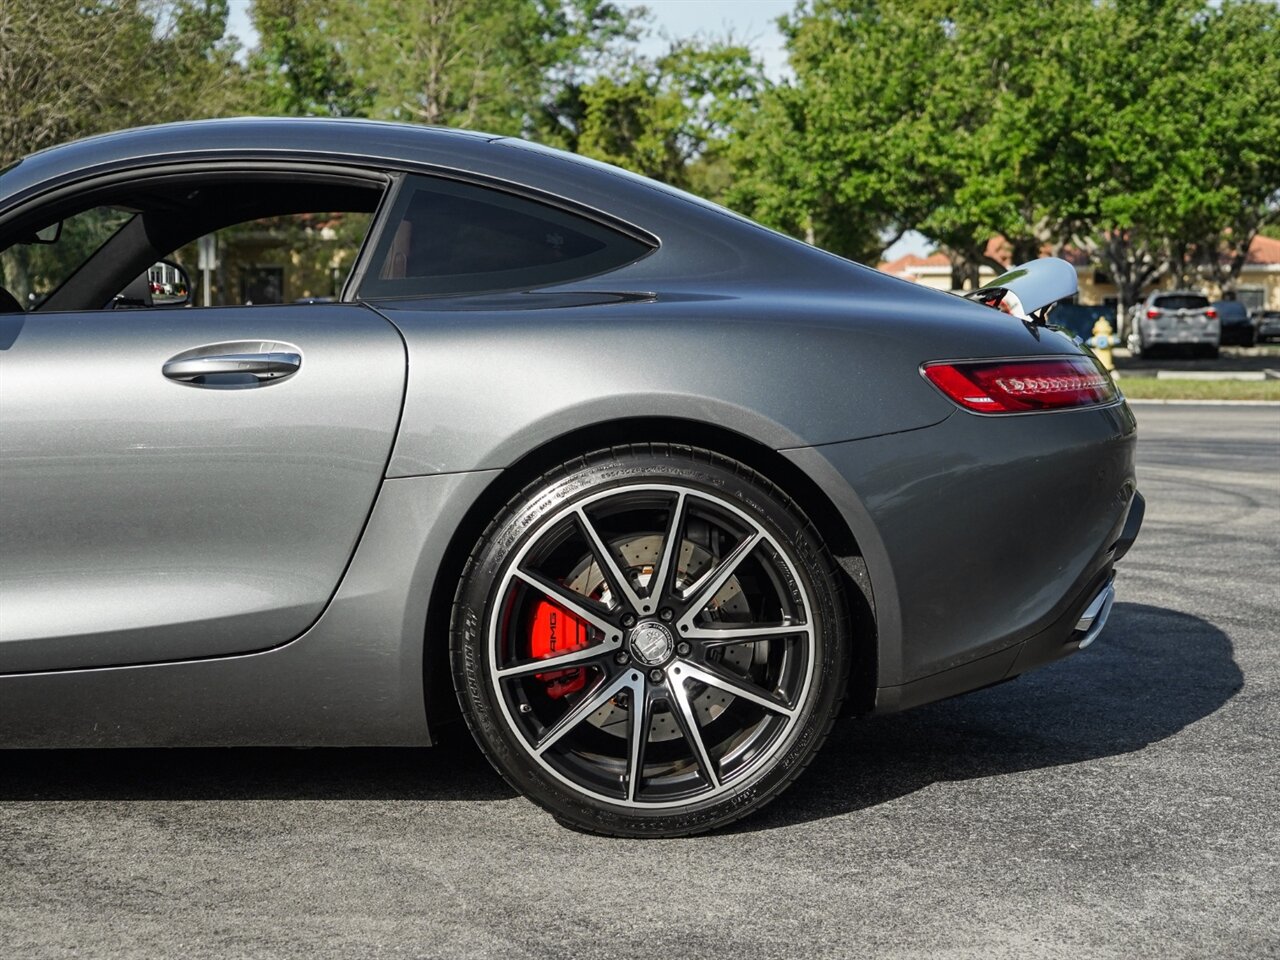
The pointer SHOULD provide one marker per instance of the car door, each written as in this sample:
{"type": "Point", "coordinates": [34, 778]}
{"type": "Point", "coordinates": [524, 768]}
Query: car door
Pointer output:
{"type": "Point", "coordinates": [149, 518]}
{"type": "Point", "coordinates": [184, 483]}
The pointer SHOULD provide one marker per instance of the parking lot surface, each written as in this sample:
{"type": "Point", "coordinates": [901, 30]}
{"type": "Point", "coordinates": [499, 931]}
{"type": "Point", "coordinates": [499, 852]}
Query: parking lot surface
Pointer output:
{"type": "Point", "coordinates": [1122, 803]}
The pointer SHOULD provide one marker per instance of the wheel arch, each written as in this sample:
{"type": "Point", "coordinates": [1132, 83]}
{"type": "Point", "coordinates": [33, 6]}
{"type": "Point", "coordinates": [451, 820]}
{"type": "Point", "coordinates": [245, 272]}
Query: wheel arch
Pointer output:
{"type": "Point", "coordinates": [859, 600]}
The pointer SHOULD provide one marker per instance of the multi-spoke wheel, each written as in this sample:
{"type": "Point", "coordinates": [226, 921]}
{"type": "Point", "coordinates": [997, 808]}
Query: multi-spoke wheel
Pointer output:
{"type": "Point", "coordinates": [650, 642]}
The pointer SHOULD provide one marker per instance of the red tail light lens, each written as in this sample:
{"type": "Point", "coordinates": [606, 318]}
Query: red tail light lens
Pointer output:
{"type": "Point", "coordinates": [1023, 386]}
{"type": "Point", "coordinates": [1211, 313]}
{"type": "Point", "coordinates": [1153, 314]}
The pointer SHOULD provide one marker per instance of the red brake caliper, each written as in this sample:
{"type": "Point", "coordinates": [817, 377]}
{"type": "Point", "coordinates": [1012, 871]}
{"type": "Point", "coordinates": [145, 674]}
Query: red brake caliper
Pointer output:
{"type": "Point", "coordinates": [555, 630]}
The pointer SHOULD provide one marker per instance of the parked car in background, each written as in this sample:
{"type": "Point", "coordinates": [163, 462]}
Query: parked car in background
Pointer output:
{"type": "Point", "coordinates": [1236, 323]}
{"type": "Point", "coordinates": [1174, 319]}
{"type": "Point", "coordinates": [1268, 325]}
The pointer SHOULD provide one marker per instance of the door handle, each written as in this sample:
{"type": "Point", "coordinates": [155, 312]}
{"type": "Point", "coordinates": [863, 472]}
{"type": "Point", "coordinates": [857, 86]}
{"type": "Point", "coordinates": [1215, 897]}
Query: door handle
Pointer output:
{"type": "Point", "coordinates": [262, 367]}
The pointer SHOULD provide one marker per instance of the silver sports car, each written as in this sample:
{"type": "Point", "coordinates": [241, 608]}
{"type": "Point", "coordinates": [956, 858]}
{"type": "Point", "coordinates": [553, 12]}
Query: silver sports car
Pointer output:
{"type": "Point", "coordinates": [322, 432]}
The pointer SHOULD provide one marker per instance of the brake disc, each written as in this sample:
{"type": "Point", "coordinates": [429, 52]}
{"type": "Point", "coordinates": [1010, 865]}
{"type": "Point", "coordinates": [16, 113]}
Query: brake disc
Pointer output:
{"type": "Point", "coordinates": [640, 556]}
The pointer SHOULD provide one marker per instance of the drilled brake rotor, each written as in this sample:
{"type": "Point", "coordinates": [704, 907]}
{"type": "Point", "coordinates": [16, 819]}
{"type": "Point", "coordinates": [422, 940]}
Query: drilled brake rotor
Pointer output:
{"type": "Point", "coordinates": [640, 555]}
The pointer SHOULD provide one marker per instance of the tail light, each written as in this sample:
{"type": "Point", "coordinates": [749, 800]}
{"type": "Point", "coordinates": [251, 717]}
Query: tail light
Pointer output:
{"type": "Point", "coordinates": [1152, 314]}
{"type": "Point", "coordinates": [1023, 386]}
{"type": "Point", "coordinates": [1211, 313]}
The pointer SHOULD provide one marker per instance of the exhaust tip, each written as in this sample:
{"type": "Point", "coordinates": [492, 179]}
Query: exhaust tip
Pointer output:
{"type": "Point", "coordinates": [1095, 616]}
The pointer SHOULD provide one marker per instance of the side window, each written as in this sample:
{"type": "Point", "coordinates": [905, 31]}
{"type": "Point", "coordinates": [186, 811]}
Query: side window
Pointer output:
{"type": "Point", "coordinates": [204, 240]}
{"type": "Point", "coordinates": [446, 237]}
{"type": "Point", "coordinates": [284, 259]}
{"type": "Point", "coordinates": [30, 271]}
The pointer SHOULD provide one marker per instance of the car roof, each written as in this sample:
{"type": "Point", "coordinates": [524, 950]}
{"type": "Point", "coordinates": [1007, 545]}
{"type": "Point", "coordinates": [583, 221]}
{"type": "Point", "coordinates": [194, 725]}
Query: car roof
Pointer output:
{"type": "Point", "coordinates": [369, 140]}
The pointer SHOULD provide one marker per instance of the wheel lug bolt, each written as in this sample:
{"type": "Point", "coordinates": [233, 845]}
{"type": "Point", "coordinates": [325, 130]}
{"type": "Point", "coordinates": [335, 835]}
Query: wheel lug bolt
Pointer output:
{"type": "Point", "coordinates": [620, 657]}
{"type": "Point", "coordinates": [525, 708]}
{"type": "Point", "coordinates": [655, 675]}
{"type": "Point", "coordinates": [683, 649]}
{"type": "Point", "coordinates": [628, 620]}
{"type": "Point", "coordinates": [665, 614]}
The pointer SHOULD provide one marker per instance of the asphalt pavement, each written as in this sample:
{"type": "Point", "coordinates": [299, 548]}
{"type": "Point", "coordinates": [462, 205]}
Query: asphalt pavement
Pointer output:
{"type": "Point", "coordinates": [1122, 803]}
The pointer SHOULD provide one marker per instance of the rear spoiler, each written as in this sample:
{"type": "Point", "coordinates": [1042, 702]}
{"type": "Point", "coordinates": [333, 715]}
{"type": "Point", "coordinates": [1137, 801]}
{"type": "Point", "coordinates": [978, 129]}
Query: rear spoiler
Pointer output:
{"type": "Point", "coordinates": [1028, 290]}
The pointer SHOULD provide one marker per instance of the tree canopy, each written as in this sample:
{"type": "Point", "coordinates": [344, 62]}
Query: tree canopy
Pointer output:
{"type": "Point", "coordinates": [1143, 133]}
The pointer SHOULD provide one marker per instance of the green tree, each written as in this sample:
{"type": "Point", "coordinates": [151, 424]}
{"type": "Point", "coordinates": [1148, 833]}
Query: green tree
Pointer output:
{"type": "Point", "coordinates": [822, 159]}
{"type": "Point", "coordinates": [507, 66]}
{"type": "Point", "coordinates": [1138, 177]}
{"type": "Point", "coordinates": [950, 117]}
{"type": "Point", "coordinates": [296, 69]}
{"type": "Point", "coordinates": [1237, 135]}
{"type": "Point", "coordinates": [71, 68]}
{"type": "Point", "coordinates": [669, 117]}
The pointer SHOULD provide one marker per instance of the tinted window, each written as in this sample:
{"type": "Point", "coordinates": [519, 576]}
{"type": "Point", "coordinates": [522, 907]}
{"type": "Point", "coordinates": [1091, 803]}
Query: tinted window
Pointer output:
{"type": "Point", "coordinates": [1182, 302]}
{"type": "Point", "coordinates": [446, 237]}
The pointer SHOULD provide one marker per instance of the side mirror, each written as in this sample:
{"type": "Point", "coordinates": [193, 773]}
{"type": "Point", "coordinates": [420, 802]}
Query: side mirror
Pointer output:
{"type": "Point", "coordinates": [164, 284]}
{"type": "Point", "coordinates": [44, 235]}
{"type": "Point", "coordinates": [170, 285]}
{"type": "Point", "coordinates": [1029, 288]}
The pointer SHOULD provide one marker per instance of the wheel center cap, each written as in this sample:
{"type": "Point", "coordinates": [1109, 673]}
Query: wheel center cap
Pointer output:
{"type": "Point", "coordinates": [651, 643]}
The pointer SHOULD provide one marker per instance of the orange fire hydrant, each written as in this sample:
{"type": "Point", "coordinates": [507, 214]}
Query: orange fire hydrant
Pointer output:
{"type": "Point", "coordinates": [1102, 342]}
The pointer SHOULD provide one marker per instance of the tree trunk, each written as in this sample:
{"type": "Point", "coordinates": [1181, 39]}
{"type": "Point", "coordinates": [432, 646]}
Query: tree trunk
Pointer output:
{"type": "Point", "coordinates": [1224, 258]}
{"type": "Point", "coordinates": [965, 267]}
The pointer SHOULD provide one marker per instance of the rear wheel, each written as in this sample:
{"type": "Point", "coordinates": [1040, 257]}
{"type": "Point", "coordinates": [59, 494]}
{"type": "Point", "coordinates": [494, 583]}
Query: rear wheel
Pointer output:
{"type": "Point", "coordinates": [650, 642]}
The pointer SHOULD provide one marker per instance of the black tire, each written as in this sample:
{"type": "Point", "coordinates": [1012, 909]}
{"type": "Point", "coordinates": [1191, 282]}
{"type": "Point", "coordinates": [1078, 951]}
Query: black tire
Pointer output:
{"type": "Point", "coordinates": [657, 777]}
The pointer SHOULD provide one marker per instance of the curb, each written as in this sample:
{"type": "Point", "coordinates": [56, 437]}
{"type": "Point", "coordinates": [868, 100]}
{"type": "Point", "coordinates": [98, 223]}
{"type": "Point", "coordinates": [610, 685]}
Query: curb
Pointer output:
{"type": "Point", "coordinates": [1247, 376]}
{"type": "Point", "coordinates": [1203, 403]}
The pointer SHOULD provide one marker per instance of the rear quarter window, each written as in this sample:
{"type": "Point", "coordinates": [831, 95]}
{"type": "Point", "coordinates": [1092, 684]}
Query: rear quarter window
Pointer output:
{"type": "Point", "coordinates": [447, 237]}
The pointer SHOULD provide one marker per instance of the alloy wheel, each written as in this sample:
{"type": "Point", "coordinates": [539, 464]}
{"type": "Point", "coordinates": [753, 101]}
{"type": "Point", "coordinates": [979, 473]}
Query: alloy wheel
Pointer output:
{"type": "Point", "coordinates": [651, 645]}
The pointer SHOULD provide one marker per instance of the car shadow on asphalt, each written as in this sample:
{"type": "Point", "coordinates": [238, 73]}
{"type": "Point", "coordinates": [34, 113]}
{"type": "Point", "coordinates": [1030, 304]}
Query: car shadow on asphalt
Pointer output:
{"type": "Point", "coordinates": [1151, 674]}
{"type": "Point", "coordinates": [452, 771]}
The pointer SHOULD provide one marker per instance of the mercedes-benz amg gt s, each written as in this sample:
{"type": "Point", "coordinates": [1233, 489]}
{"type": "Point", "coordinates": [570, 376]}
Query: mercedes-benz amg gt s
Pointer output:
{"type": "Point", "coordinates": [321, 432]}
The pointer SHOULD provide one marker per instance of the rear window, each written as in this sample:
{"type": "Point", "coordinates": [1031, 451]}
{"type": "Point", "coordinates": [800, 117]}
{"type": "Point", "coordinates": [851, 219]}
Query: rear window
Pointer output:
{"type": "Point", "coordinates": [445, 237]}
{"type": "Point", "coordinates": [1182, 301]}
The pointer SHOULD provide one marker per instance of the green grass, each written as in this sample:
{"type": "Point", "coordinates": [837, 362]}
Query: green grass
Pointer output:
{"type": "Point", "coordinates": [1149, 388]}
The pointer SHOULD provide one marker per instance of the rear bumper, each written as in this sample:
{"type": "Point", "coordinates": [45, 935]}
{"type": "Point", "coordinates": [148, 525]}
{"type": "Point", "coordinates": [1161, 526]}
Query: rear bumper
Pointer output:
{"type": "Point", "coordinates": [1164, 338]}
{"type": "Point", "coordinates": [1082, 623]}
{"type": "Point", "coordinates": [985, 539]}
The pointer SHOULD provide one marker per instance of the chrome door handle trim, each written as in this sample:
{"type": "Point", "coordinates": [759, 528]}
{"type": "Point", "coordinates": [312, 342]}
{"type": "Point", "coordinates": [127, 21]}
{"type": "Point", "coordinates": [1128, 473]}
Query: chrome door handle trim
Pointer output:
{"type": "Point", "coordinates": [260, 366]}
